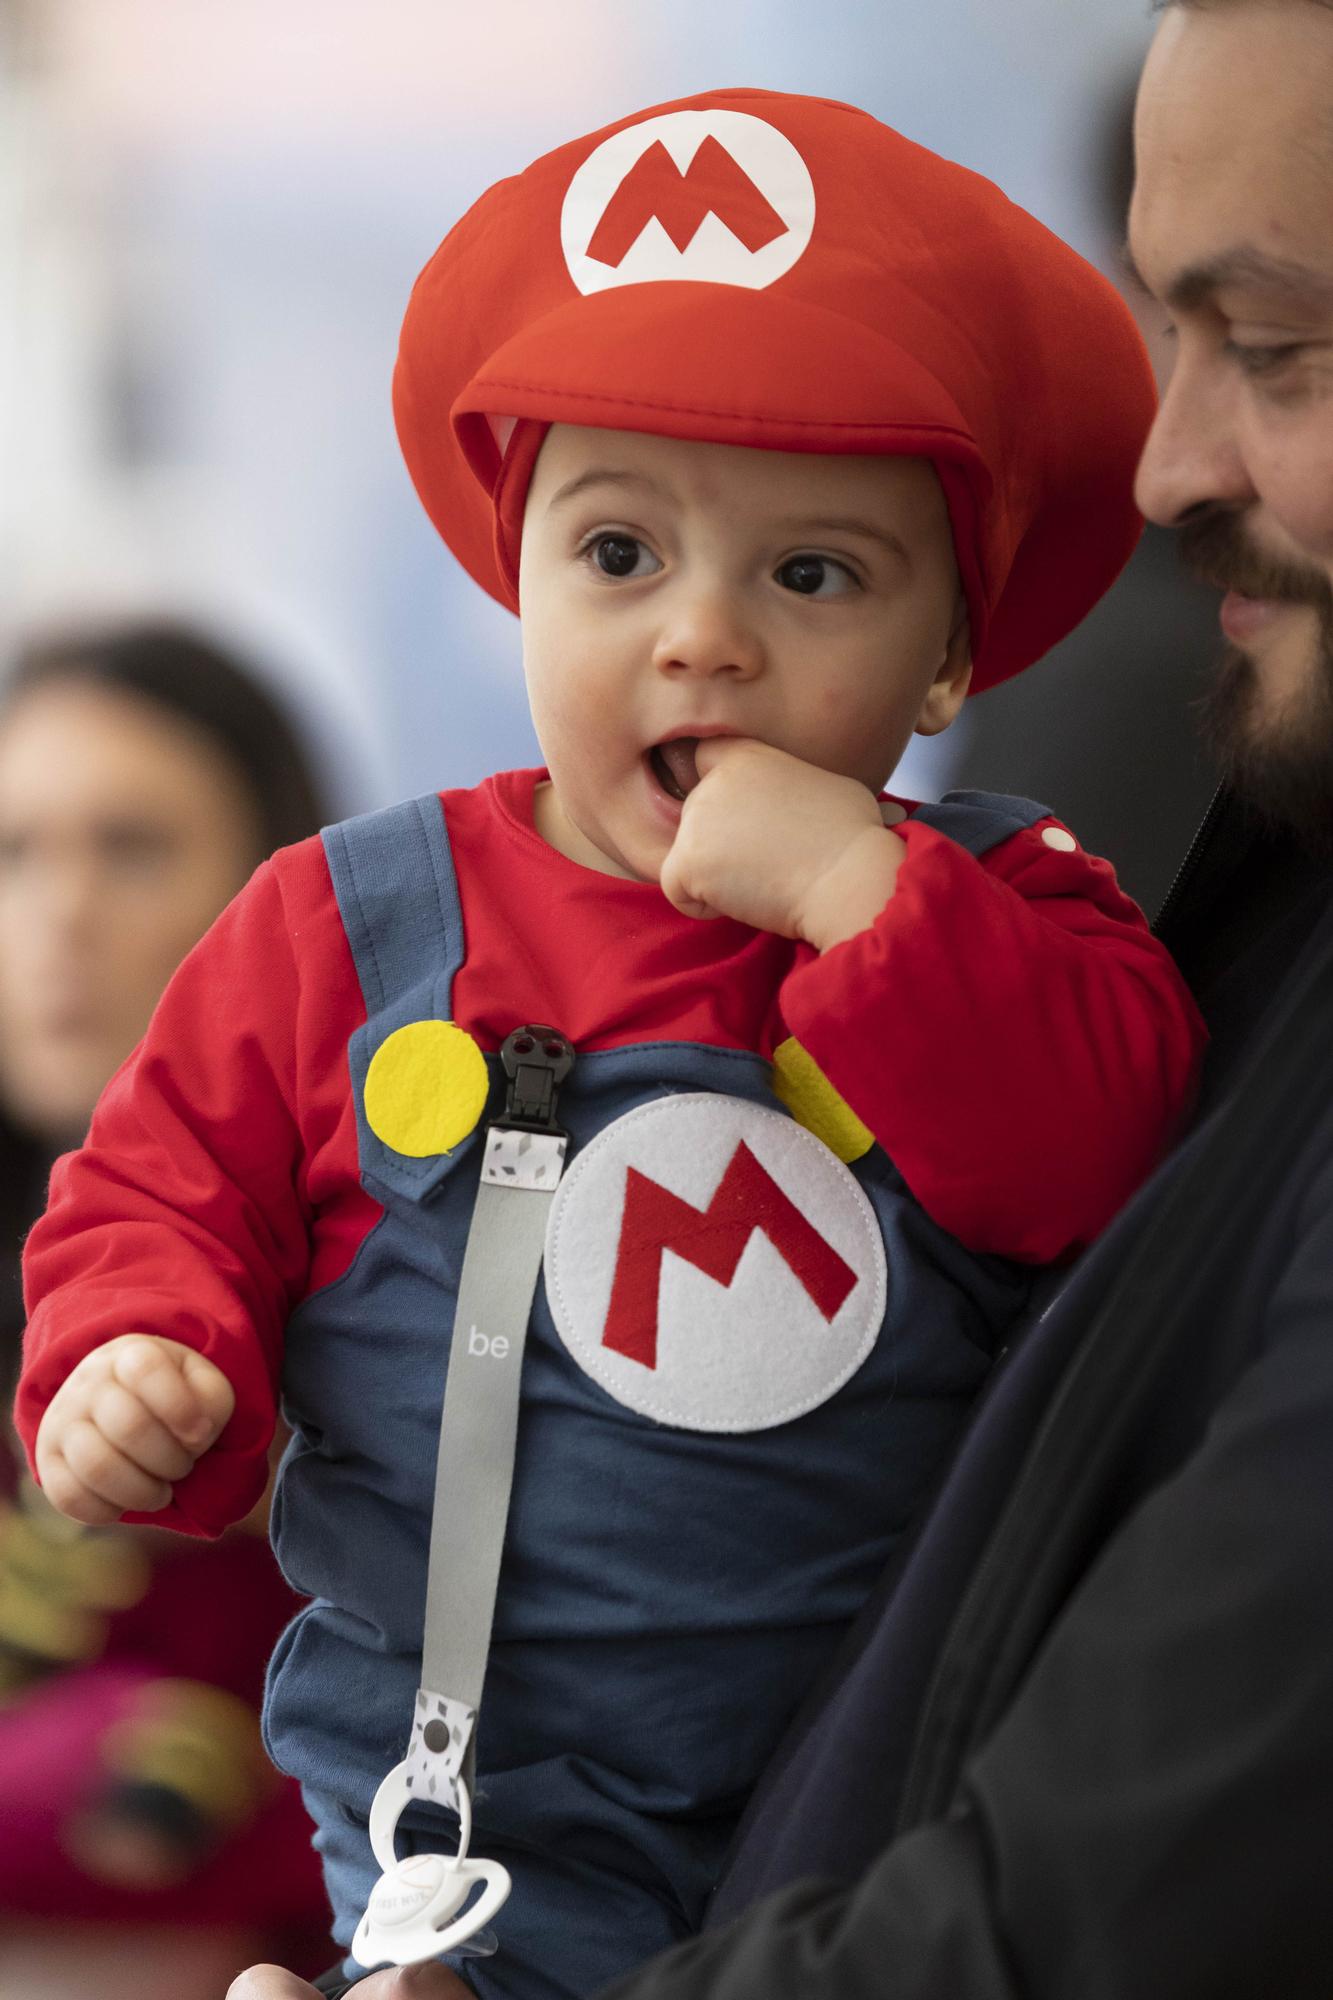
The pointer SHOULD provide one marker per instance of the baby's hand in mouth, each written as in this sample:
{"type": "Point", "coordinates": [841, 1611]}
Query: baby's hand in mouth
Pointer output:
{"type": "Point", "coordinates": [774, 842]}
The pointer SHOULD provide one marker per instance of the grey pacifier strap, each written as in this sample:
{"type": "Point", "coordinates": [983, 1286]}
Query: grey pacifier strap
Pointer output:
{"type": "Point", "coordinates": [474, 1473]}
{"type": "Point", "coordinates": [475, 1467]}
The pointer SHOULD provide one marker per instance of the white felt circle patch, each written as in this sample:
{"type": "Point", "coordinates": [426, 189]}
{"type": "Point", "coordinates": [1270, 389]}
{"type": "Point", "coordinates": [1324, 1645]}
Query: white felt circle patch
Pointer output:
{"type": "Point", "coordinates": [715, 197]}
{"type": "Point", "coordinates": [712, 1265]}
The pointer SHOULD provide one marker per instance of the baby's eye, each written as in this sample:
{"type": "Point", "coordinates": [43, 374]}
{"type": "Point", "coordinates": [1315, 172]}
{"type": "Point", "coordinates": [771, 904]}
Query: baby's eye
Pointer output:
{"type": "Point", "coordinates": [622, 555]}
{"type": "Point", "coordinates": [816, 576]}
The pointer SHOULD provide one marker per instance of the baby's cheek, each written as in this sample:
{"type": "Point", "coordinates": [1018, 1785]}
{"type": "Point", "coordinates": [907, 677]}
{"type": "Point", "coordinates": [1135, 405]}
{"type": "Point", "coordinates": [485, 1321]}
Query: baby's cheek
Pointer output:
{"type": "Point", "coordinates": [868, 737]}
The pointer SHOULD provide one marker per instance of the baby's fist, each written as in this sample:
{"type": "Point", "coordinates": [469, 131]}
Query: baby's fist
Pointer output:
{"type": "Point", "coordinates": [126, 1424]}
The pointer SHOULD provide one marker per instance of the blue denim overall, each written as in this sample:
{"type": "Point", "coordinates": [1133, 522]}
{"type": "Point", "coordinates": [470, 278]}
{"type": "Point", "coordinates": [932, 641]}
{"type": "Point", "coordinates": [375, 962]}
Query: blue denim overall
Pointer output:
{"type": "Point", "coordinates": [667, 1595]}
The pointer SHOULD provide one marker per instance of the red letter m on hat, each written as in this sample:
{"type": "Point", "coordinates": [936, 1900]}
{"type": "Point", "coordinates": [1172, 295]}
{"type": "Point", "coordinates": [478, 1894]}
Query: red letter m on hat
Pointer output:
{"type": "Point", "coordinates": [713, 1240]}
{"type": "Point", "coordinates": [655, 186]}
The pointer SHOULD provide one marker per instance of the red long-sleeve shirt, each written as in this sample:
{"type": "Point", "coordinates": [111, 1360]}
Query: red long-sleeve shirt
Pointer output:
{"type": "Point", "coordinates": [1008, 1030]}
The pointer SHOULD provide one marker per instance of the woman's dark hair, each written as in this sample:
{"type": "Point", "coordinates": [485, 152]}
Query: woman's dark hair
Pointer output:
{"type": "Point", "coordinates": [194, 680]}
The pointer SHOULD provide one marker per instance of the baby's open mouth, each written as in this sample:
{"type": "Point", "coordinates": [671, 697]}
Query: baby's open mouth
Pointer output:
{"type": "Point", "coordinates": [674, 766]}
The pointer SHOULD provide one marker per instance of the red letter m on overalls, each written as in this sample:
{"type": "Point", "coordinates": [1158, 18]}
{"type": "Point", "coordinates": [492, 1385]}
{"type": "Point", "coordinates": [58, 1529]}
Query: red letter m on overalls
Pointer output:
{"type": "Point", "coordinates": [655, 186]}
{"type": "Point", "coordinates": [712, 1239]}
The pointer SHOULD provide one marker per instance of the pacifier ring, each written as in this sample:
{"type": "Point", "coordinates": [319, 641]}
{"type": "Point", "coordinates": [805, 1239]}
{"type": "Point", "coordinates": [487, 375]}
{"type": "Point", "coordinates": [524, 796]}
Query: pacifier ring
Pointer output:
{"type": "Point", "coordinates": [413, 1912]}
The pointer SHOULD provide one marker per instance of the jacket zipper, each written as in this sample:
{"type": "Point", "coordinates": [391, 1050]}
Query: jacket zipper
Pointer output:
{"type": "Point", "coordinates": [1185, 874]}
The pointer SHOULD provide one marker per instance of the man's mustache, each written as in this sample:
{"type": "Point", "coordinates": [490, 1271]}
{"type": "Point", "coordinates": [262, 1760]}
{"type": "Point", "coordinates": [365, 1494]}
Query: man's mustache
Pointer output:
{"type": "Point", "coordinates": [1215, 549]}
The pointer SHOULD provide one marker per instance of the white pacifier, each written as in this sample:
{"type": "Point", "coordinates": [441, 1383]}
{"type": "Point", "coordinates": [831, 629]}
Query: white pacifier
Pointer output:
{"type": "Point", "coordinates": [413, 1910]}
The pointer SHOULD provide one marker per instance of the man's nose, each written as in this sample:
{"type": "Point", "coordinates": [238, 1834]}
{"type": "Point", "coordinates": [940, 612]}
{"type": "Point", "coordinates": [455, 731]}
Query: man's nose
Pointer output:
{"type": "Point", "coordinates": [1193, 459]}
{"type": "Point", "coordinates": [707, 632]}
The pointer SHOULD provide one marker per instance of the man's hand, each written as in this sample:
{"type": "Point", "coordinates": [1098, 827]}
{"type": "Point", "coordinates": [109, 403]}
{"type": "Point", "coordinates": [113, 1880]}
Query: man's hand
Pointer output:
{"type": "Point", "coordinates": [126, 1424]}
{"type": "Point", "coordinates": [404, 1982]}
{"type": "Point", "coordinates": [781, 845]}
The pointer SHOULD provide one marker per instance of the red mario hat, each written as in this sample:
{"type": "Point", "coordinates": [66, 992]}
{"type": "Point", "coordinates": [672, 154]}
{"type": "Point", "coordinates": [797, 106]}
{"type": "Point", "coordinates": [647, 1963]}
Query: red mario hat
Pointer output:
{"type": "Point", "coordinates": [751, 268]}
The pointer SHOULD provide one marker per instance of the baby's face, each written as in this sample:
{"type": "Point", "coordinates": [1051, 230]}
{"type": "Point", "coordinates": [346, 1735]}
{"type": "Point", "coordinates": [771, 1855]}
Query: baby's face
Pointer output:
{"type": "Point", "coordinates": [673, 590]}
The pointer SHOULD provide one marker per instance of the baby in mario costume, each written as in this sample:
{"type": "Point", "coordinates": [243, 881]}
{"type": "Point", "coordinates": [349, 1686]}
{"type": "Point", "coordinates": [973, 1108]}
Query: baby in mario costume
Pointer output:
{"type": "Point", "coordinates": [783, 433]}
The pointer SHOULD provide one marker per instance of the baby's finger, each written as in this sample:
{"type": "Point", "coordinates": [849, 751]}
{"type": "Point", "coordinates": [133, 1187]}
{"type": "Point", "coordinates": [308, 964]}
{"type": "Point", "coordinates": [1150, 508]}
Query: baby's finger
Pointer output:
{"type": "Point", "coordinates": [710, 751]}
{"type": "Point", "coordinates": [154, 1371]}
{"type": "Point", "coordinates": [689, 906]}
{"type": "Point", "coordinates": [108, 1474]}
{"type": "Point", "coordinates": [674, 887]}
{"type": "Point", "coordinates": [126, 1421]}
{"type": "Point", "coordinates": [70, 1496]}
{"type": "Point", "coordinates": [216, 1396]}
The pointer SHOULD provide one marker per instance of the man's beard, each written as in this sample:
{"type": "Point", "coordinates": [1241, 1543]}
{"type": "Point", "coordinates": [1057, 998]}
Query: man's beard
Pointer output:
{"type": "Point", "coordinates": [1280, 763]}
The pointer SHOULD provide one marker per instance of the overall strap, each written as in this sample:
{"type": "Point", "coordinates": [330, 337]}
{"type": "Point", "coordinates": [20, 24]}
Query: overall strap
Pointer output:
{"type": "Point", "coordinates": [979, 821]}
{"type": "Point", "coordinates": [393, 877]}
{"type": "Point", "coordinates": [397, 893]}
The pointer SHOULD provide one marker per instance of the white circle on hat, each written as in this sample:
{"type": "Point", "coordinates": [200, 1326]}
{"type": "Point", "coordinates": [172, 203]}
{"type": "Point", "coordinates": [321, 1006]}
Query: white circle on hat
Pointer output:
{"type": "Point", "coordinates": [638, 202]}
{"type": "Point", "coordinates": [713, 1265]}
{"type": "Point", "coordinates": [1062, 842]}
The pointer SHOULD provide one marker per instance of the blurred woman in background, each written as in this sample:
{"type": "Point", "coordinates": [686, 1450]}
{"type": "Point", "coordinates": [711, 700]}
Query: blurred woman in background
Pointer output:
{"type": "Point", "coordinates": [143, 1836]}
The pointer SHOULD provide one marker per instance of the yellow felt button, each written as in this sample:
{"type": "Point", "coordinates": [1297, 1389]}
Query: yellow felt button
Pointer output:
{"type": "Point", "coordinates": [425, 1088]}
{"type": "Point", "coordinates": [814, 1103]}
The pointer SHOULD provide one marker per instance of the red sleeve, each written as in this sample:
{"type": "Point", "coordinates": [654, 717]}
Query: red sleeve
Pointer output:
{"type": "Point", "coordinates": [186, 1214]}
{"type": "Point", "coordinates": [1013, 1035]}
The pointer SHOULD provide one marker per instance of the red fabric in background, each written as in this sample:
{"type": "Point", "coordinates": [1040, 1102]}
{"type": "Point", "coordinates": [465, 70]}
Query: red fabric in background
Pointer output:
{"type": "Point", "coordinates": [265, 1875]}
{"type": "Point", "coordinates": [210, 1613]}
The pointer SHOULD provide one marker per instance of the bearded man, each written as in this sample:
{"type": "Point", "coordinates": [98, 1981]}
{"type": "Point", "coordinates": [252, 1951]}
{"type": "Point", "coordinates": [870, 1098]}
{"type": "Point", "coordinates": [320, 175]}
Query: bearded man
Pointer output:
{"type": "Point", "coordinates": [1081, 1747]}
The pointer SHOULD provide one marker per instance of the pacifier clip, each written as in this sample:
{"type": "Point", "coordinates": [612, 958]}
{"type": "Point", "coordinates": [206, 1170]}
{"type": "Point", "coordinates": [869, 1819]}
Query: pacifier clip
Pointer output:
{"type": "Point", "coordinates": [414, 1909]}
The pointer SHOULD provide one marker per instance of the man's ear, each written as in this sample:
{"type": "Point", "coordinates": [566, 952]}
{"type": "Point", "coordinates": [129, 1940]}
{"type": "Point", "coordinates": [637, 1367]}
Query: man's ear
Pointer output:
{"type": "Point", "coordinates": [948, 691]}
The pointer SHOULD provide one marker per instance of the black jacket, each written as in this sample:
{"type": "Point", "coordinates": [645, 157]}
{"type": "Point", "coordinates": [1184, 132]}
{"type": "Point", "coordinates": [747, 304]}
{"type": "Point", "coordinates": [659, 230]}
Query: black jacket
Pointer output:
{"type": "Point", "coordinates": [1081, 1745]}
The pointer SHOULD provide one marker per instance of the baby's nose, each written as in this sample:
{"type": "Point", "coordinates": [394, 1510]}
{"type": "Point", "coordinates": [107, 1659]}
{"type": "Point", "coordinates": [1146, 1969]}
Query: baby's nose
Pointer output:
{"type": "Point", "coordinates": [706, 634]}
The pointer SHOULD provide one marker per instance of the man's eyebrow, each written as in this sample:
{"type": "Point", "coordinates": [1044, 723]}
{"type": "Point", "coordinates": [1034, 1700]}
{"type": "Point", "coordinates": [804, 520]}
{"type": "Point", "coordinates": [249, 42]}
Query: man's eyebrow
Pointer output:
{"type": "Point", "coordinates": [603, 476]}
{"type": "Point", "coordinates": [1243, 268]}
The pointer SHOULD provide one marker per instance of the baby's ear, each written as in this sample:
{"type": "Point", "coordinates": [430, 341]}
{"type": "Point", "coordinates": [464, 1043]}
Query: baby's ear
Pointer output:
{"type": "Point", "coordinates": [948, 691]}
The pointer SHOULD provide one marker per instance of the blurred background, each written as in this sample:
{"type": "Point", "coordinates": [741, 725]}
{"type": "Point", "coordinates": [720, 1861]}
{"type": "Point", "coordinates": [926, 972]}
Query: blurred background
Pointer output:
{"type": "Point", "coordinates": [210, 218]}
